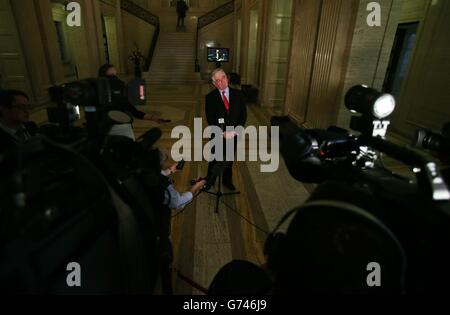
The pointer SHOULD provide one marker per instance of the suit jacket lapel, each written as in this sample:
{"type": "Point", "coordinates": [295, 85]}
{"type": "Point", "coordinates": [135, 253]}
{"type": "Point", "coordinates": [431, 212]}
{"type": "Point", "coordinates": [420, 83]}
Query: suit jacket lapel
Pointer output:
{"type": "Point", "coordinates": [219, 97]}
{"type": "Point", "coordinates": [231, 97]}
{"type": "Point", "coordinates": [232, 101]}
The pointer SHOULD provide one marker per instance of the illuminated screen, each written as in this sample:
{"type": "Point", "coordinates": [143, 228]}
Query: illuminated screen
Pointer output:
{"type": "Point", "coordinates": [218, 54]}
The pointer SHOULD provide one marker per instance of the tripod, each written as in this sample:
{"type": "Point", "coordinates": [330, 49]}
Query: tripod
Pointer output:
{"type": "Point", "coordinates": [219, 194]}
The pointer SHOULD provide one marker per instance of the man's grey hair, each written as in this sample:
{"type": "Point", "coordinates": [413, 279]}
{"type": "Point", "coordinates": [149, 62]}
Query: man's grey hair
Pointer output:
{"type": "Point", "coordinates": [218, 70]}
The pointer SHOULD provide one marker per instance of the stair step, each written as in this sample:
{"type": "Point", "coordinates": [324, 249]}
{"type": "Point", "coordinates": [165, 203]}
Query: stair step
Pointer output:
{"type": "Point", "coordinates": [170, 74]}
{"type": "Point", "coordinates": [173, 61]}
{"type": "Point", "coordinates": [156, 64]}
{"type": "Point", "coordinates": [180, 66]}
{"type": "Point", "coordinates": [184, 40]}
{"type": "Point", "coordinates": [176, 44]}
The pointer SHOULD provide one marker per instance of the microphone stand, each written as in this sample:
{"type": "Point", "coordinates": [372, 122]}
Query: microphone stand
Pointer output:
{"type": "Point", "coordinates": [219, 194]}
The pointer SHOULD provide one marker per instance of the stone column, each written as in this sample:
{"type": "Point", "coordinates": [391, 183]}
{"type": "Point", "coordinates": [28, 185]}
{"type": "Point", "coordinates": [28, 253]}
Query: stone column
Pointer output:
{"type": "Point", "coordinates": [33, 50]}
{"type": "Point", "coordinates": [320, 51]}
{"type": "Point", "coordinates": [245, 14]}
{"type": "Point", "coordinates": [93, 32]}
{"type": "Point", "coordinates": [122, 54]}
{"type": "Point", "coordinates": [370, 51]}
{"type": "Point", "coordinates": [50, 42]}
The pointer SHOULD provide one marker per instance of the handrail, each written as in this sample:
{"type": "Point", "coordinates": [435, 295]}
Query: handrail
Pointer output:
{"type": "Point", "coordinates": [147, 16]}
{"type": "Point", "coordinates": [148, 62]}
{"type": "Point", "coordinates": [209, 18]}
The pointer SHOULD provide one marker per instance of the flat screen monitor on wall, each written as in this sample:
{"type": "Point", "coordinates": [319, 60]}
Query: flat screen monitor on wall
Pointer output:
{"type": "Point", "coordinates": [218, 54]}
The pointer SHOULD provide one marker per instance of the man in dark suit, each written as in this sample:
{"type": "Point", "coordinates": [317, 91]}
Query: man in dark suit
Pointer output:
{"type": "Point", "coordinates": [182, 8]}
{"type": "Point", "coordinates": [227, 103]}
{"type": "Point", "coordinates": [14, 119]}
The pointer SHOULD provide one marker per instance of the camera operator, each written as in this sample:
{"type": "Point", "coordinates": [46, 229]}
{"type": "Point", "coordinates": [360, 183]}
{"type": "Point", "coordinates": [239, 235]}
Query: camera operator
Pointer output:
{"type": "Point", "coordinates": [15, 127]}
{"type": "Point", "coordinates": [109, 71]}
{"type": "Point", "coordinates": [326, 250]}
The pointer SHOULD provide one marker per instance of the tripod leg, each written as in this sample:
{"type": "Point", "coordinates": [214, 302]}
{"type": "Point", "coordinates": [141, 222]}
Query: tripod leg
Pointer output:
{"type": "Point", "coordinates": [219, 194]}
{"type": "Point", "coordinates": [217, 203]}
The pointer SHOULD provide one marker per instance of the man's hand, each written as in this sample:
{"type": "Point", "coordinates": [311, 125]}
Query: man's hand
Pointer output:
{"type": "Point", "coordinates": [156, 119]}
{"type": "Point", "coordinates": [229, 134]}
{"type": "Point", "coordinates": [197, 187]}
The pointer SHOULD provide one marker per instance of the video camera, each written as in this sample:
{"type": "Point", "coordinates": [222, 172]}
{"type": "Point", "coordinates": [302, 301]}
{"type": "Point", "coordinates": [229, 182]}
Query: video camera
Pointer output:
{"type": "Point", "coordinates": [416, 210]}
{"type": "Point", "coordinates": [96, 96]}
{"type": "Point", "coordinates": [316, 155]}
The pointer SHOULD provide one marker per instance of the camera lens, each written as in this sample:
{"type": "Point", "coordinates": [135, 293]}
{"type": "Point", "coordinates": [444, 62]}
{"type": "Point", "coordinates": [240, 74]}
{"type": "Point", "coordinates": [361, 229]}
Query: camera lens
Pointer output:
{"type": "Point", "coordinates": [418, 141]}
{"type": "Point", "coordinates": [429, 140]}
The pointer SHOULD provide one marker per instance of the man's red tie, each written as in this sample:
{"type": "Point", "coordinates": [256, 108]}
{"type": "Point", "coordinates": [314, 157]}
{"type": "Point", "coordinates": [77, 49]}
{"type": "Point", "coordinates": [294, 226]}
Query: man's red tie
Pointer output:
{"type": "Point", "coordinates": [226, 103]}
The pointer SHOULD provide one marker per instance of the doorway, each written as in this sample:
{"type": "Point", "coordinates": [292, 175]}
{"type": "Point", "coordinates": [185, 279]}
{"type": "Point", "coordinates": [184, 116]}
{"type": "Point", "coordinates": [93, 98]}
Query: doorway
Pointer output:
{"type": "Point", "coordinates": [401, 54]}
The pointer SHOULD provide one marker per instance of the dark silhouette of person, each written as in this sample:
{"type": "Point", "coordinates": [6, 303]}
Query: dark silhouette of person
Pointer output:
{"type": "Point", "coordinates": [182, 8]}
{"type": "Point", "coordinates": [109, 71]}
{"type": "Point", "coordinates": [325, 251]}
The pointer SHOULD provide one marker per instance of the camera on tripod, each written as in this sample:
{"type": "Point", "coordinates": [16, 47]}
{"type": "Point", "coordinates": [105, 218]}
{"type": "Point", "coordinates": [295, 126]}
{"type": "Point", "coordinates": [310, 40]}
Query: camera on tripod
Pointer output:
{"type": "Point", "coordinates": [98, 97]}
{"type": "Point", "coordinates": [316, 155]}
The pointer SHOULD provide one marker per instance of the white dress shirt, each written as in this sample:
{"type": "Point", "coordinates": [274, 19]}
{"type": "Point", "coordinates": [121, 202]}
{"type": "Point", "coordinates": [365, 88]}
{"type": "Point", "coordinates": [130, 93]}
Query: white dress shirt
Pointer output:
{"type": "Point", "coordinates": [227, 94]}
